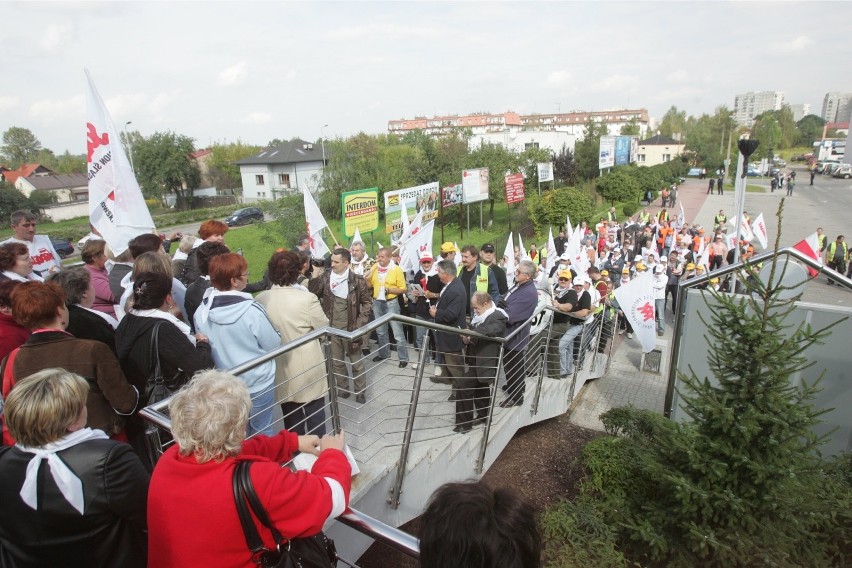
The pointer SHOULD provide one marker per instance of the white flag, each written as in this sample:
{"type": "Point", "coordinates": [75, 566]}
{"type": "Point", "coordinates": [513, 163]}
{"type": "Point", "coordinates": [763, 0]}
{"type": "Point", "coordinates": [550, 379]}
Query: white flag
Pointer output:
{"type": "Point", "coordinates": [636, 299]}
{"type": "Point", "coordinates": [410, 230]}
{"type": "Point", "coordinates": [458, 255]}
{"type": "Point", "coordinates": [116, 206]}
{"type": "Point", "coordinates": [521, 249]}
{"type": "Point", "coordinates": [509, 253]}
{"type": "Point", "coordinates": [314, 223]}
{"type": "Point", "coordinates": [745, 230]}
{"type": "Point", "coordinates": [702, 256]}
{"type": "Point", "coordinates": [403, 211]}
{"type": "Point", "coordinates": [552, 255]}
{"type": "Point", "coordinates": [759, 230]}
{"type": "Point", "coordinates": [681, 218]}
{"type": "Point", "coordinates": [419, 243]}
{"type": "Point", "coordinates": [568, 228]}
{"type": "Point", "coordinates": [356, 238]}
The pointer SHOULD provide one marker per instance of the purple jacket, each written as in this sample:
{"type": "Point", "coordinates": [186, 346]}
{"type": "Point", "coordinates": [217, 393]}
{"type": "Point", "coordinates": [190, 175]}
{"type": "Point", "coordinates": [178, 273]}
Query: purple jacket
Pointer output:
{"type": "Point", "coordinates": [520, 306]}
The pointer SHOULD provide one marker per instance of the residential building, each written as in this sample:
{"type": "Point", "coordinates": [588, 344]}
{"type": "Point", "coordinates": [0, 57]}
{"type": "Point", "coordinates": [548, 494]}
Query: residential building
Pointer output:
{"type": "Point", "coordinates": [836, 107]}
{"type": "Point", "coordinates": [799, 110]}
{"type": "Point", "coordinates": [25, 170]}
{"type": "Point", "coordinates": [65, 188]}
{"type": "Point", "coordinates": [658, 150]}
{"type": "Point", "coordinates": [282, 170]}
{"type": "Point", "coordinates": [518, 141]}
{"type": "Point", "coordinates": [202, 159]}
{"type": "Point", "coordinates": [751, 104]}
{"type": "Point", "coordinates": [572, 122]}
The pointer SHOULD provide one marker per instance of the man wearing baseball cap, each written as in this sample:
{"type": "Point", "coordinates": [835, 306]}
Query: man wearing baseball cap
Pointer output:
{"type": "Point", "coordinates": [486, 257]}
{"type": "Point", "coordinates": [448, 251]}
{"type": "Point", "coordinates": [578, 306]}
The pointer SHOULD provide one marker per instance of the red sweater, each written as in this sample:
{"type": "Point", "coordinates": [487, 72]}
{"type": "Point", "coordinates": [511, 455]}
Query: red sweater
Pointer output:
{"type": "Point", "coordinates": [192, 517]}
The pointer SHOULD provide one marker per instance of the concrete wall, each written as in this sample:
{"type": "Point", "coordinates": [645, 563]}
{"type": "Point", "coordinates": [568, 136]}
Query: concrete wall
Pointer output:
{"type": "Point", "coordinates": [64, 211]}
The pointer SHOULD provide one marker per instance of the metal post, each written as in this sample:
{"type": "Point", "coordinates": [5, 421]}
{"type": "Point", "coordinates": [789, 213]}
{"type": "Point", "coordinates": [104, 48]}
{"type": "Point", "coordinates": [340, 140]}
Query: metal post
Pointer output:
{"type": "Point", "coordinates": [534, 405]}
{"type": "Point", "coordinates": [396, 490]}
{"type": "Point", "coordinates": [577, 365]}
{"type": "Point", "coordinates": [332, 384]}
{"type": "Point", "coordinates": [598, 342]}
{"type": "Point", "coordinates": [480, 461]}
{"type": "Point", "coordinates": [612, 343]}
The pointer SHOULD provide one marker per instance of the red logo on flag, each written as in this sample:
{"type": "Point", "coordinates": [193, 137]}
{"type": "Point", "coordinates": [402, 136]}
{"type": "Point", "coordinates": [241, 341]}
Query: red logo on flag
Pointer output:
{"type": "Point", "coordinates": [647, 311]}
{"type": "Point", "coordinates": [94, 141]}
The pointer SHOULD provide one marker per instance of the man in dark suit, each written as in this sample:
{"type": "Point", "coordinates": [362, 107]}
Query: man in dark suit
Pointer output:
{"type": "Point", "coordinates": [519, 305]}
{"type": "Point", "coordinates": [450, 311]}
{"type": "Point", "coordinates": [482, 355]}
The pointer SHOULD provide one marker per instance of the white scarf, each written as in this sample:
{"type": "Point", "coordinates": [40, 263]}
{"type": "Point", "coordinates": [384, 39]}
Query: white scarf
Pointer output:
{"type": "Point", "coordinates": [106, 317]}
{"type": "Point", "coordinates": [203, 311]}
{"type": "Point", "coordinates": [476, 320]}
{"type": "Point", "coordinates": [69, 484]}
{"type": "Point", "coordinates": [358, 265]}
{"type": "Point", "coordinates": [336, 280]}
{"type": "Point", "coordinates": [168, 317]}
{"type": "Point", "coordinates": [32, 276]}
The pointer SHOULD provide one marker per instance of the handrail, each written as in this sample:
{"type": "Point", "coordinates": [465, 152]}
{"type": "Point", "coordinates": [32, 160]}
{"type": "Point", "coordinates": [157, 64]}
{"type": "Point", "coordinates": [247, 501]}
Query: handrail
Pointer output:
{"type": "Point", "coordinates": [380, 532]}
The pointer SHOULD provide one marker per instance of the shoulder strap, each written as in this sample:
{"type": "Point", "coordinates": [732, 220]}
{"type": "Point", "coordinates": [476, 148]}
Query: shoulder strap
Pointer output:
{"type": "Point", "coordinates": [254, 502]}
{"type": "Point", "coordinates": [156, 370]}
{"type": "Point", "coordinates": [253, 539]}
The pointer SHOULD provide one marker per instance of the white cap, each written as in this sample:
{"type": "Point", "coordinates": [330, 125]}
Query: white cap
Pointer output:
{"type": "Point", "coordinates": [578, 281]}
{"type": "Point", "coordinates": [565, 256]}
{"type": "Point", "coordinates": [658, 269]}
{"type": "Point", "coordinates": [638, 258]}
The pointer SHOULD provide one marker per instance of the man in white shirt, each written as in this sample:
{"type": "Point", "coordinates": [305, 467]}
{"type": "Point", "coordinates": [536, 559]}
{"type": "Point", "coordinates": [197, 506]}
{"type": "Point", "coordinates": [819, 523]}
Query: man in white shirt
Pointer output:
{"type": "Point", "coordinates": [44, 256]}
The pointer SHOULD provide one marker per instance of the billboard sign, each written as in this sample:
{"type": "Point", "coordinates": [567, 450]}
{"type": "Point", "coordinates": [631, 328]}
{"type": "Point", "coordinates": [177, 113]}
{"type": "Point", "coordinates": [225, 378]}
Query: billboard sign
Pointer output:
{"type": "Point", "coordinates": [606, 157]}
{"type": "Point", "coordinates": [360, 211]}
{"type": "Point", "coordinates": [452, 195]}
{"type": "Point", "coordinates": [514, 184]}
{"type": "Point", "coordinates": [475, 185]}
{"type": "Point", "coordinates": [622, 150]}
{"type": "Point", "coordinates": [634, 148]}
{"type": "Point", "coordinates": [545, 172]}
{"type": "Point", "coordinates": [414, 199]}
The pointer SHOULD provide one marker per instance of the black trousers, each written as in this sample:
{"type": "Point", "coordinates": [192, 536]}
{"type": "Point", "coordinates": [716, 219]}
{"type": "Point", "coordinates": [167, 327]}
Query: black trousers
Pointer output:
{"type": "Point", "coordinates": [514, 365]}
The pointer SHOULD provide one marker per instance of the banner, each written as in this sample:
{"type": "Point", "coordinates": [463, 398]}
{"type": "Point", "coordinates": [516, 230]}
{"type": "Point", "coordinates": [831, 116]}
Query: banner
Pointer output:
{"type": "Point", "coordinates": [475, 185]}
{"type": "Point", "coordinates": [636, 299]}
{"type": "Point", "coordinates": [420, 198]}
{"type": "Point", "coordinates": [452, 195]}
{"type": "Point", "coordinates": [606, 157]}
{"type": "Point", "coordinates": [622, 150]}
{"type": "Point", "coordinates": [514, 184]}
{"type": "Point", "coordinates": [116, 206]}
{"type": "Point", "coordinates": [545, 172]}
{"type": "Point", "coordinates": [419, 242]}
{"type": "Point", "coordinates": [759, 230]}
{"type": "Point", "coordinates": [314, 223]}
{"type": "Point", "coordinates": [360, 211]}
{"type": "Point", "coordinates": [634, 148]}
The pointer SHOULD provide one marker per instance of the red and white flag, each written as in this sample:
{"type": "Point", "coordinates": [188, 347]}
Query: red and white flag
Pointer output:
{"type": "Point", "coordinates": [759, 230]}
{"type": "Point", "coordinates": [745, 230]}
{"type": "Point", "coordinates": [418, 243]}
{"type": "Point", "coordinates": [810, 248]}
{"type": "Point", "coordinates": [116, 206]}
{"type": "Point", "coordinates": [314, 223]}
{"type": "Point", "coordinates": [636, 300]}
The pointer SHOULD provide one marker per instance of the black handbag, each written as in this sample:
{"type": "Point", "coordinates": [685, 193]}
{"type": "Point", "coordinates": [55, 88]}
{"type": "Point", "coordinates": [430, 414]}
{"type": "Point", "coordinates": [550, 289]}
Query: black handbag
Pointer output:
{"type": "Point", "coordinates": [157, 389]}
{"type": "Point", "coordinates": [316, 551]}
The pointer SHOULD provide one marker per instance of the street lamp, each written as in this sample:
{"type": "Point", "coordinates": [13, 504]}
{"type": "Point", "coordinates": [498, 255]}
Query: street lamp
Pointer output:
{"type": "Point", "coordinates": [322, 141]}
{"type": "Point", "coordinates": [129, 146]}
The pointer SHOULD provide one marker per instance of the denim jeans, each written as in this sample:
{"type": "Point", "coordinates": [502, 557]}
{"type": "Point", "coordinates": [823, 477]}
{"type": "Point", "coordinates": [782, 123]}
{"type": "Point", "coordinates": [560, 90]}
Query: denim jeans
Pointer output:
{"type": "Point", "coordinates": [260, 421]}
{"type": "Point", "coordinates": [380, 308]}
{"type": "Point", "coordinates": [566, 349]}
{"type": "Point", "coordinates": [660, 314]}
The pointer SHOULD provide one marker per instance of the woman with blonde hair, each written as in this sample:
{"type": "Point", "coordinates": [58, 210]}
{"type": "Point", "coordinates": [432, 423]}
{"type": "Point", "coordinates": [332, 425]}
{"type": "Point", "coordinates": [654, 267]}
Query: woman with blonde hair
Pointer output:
{"type": "Point", "coordinates": [71, 496]}
{"type": "Point", "coordinates": [191, 501]}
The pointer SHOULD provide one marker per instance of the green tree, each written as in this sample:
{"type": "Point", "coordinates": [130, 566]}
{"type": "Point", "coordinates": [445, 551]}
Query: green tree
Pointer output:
{"type": "Point", "coordinates": [631, 128]}
{"type": "Point", "coordinates": [12, 200]}
{"type": "Point", "coordinates": [809, 130]}
{"type": "Point", "coordinates": [565, 167]}
{"type": "Point", "coordinates": [20, 145]}
{"type": "Point", "coordinates": [164, 165]}
{"type": "Point", "coordinates": [499, 162]}
{"type": "Point", "coordinates": [768, 131]}
{"type": "Point", "coordinates": [618, 185]}
{"type": "Point", "coordinates": [224, 173]}
{"type": "Point", "coordinates": [551, 208]}
{"type": "Point", "coordinates": [587, 151]}
{"type": "Point", "coordinates": [674, 123]}
{"type": "Point", "coordinates": [69, 163]}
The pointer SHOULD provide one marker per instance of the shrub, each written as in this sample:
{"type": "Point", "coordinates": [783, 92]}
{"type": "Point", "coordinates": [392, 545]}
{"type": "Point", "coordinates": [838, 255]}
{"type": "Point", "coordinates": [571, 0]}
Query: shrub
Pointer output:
{"type": "Point", "coordinates": [552, 208]}
{"type": "Point", "coordinates": [618, 186]}
{"type": "Point", "coordinates": [630, 209]}
{"type": "Point", "coordinates": [575, 533]}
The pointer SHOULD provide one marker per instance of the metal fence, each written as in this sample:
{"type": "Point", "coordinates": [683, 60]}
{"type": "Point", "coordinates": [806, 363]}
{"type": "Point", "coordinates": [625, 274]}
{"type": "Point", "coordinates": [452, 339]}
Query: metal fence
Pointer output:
{"type": "Point", "coordinates": [385, 408]}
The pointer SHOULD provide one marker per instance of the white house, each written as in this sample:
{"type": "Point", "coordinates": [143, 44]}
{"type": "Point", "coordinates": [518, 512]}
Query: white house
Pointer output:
{"type": "Point", "coordinates": [658, 150]}
{"type": "Point", "coordinates": [520, 140]}
{"type": "Point", "coordinates": [66, 188]}
{"type": "Point", "coordinates": [282, 170]}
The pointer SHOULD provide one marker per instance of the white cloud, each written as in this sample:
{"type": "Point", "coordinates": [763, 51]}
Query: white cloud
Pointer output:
{"type": "Point", "coordinates": [379, 31]}
{"type": "Point", "coordinates": [616, 83]}
{"type": "Point", "coordinates": [50, 110]}
{"type": "Point", "coordinates": [234, 75]}
{"type": "Point", "coordinates": [257, 118]}
{"type": "Point", "coordinates": [140, 103]}
{"type": "Point", "coordinates": [55, 36]}
{"type": "Point", "coordinates": [678, 76]}
{"type": "Point", "coordinates": [558, 77]}
{"type": "Point", "coordinates": [8, 103]}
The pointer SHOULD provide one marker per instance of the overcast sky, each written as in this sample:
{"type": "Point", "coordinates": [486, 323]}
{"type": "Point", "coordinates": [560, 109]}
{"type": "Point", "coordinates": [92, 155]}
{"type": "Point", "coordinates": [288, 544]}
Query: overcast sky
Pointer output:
{"type": "Point", "coordinates": [222, 71]}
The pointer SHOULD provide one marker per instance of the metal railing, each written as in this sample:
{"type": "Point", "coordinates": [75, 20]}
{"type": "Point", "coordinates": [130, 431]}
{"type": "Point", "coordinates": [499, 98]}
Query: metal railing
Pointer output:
{"type": "Point", "coordinates": [396, 408]}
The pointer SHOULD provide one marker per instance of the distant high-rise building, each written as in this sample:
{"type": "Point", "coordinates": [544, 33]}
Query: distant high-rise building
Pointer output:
{"type": "Point", "coordinates": [836, 107]}
{"type": "Point", "coordinates": [800, 110]}
{"type": "Point", "coordinates": [749, 105]}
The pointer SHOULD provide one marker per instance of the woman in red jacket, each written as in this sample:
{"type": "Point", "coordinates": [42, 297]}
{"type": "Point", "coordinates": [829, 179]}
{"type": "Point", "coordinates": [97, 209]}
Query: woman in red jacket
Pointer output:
{"type": "Point", "coordinates": [192, 518]}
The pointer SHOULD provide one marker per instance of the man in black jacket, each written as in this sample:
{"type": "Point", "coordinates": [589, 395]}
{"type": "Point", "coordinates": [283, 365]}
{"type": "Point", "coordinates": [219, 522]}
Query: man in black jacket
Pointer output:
{"type": "Point", "coordinates": [450, 311]}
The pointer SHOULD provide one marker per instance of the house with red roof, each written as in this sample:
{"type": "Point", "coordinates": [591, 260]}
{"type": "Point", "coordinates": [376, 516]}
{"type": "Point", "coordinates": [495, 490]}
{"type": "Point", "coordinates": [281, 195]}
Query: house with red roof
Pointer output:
{"type": "Point", "coordinates": [25, 171]}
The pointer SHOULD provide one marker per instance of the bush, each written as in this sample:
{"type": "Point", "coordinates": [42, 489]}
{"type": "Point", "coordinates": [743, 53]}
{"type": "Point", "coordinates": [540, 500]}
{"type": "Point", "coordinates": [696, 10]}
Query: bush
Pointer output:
{"type": "Point", "coordinates": [551, 208]}
{"type": "Point", "coordinates": [618, 186]}
{"type": "Point", "coordinates": [576, 534]}
{"type": "Point", "coordinates": [630, 209]}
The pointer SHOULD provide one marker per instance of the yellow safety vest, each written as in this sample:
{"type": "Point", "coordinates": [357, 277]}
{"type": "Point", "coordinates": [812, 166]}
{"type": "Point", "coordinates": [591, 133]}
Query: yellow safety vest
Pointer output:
{"type": "Point", "coordinates": [481, 278]}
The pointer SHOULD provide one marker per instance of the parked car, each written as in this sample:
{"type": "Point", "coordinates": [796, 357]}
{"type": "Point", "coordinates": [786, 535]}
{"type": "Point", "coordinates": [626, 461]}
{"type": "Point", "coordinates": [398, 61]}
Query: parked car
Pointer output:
{"type": "Point", "coordinates": [780, 163]}
{"type": "Point", "coordinates": [753, 172]}
{"type": "Point", "coordinates": [832, 167]}
{"type": "Point", "coordinates": [63, 247]}
{"type": "Point", "coordinates": [694, 172]}
{"type": "Point", "coordinates": [844, 171]}
{"type": "Point", "coordinates": [244, 216]}
{"type": "Point", "coordinates": [774, 172]}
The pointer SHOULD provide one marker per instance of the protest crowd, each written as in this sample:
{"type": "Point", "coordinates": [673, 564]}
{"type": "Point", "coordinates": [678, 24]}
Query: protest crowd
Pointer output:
{"type": "Point", "coordinates": [84, 349]}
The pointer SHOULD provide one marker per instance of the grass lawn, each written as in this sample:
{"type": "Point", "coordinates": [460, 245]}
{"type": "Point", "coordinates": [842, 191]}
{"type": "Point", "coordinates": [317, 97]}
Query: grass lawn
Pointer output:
{"type": "Point", "coordinates": [753, 188]}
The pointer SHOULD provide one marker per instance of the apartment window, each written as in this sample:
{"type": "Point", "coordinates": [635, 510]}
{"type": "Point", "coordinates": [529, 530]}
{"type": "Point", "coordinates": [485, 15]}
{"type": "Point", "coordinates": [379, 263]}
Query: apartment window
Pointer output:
{"type": "Point", "coordinates": [667, 157]}
{"type": "Point", "coordinates": [640, 158]}
{"type": "Point", "coordinates": [284, 180]}
{"type": "Point", "coordinates": [531, 146]}
{"type": "Point", "coordinates": [258, 179]}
